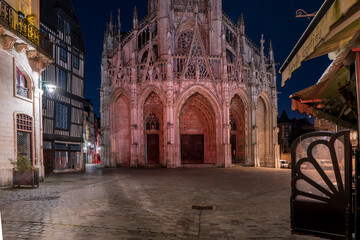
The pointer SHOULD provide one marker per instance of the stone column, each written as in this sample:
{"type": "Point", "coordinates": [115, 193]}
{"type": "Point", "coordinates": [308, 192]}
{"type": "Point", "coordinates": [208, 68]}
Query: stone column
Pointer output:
{"type": "Point", "coordinates": [170, 158]}
{"type": "Point", "coordinates": [135, 138]}
{"type": "Point", "coordinates": [226, 125]}
{"type": "Point", "coordinates": [254, 142]}
{"type": "Point", "coordinates": [38, 137]}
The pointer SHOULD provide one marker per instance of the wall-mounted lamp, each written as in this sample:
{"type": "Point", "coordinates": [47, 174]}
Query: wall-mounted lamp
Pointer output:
{"type": "Point", "coordinates": [49, 87]}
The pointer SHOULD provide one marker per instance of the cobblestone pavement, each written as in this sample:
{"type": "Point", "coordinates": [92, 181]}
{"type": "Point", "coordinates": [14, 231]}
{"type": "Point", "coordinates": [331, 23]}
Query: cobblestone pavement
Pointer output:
{"type": "Point", "coordinates": [247, 203]}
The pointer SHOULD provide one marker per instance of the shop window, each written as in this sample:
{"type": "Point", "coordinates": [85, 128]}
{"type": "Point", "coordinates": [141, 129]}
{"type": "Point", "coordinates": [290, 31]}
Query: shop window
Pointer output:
{"type": "Point", "coordinates": [61, 116]}
{"type": "Point", "coordinates": [75, 147]}
{"type": "Point", "coordinates": [47, 145]}
{"type": "Point", "coordinates": [63, 52]}
{"type": "Point", "coordinates": [22, 87]}
{"type": "Point", "coordinates": [61, 159]}
{"type": "Point", "coordinates": [74, 159]}
{"type": "Point", "coordinates": [62, 79]}
{"type": "Point", "coordinates": [24, 135]}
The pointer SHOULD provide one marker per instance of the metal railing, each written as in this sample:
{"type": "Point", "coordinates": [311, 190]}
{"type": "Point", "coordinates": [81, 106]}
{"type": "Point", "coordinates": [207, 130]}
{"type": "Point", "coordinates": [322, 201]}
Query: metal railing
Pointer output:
{"type": "Point", "coordinates": [18, 23]}
{"type": "Point", "coordinates": [22, 91]}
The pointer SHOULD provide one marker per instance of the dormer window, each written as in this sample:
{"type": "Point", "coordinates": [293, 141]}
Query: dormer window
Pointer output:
{"type": "Point", "coordinates": [21, 84]}
{"type": "Point", "coordinates": [67, 29]}
{"type": "Point", "coordinates": [60, 23]}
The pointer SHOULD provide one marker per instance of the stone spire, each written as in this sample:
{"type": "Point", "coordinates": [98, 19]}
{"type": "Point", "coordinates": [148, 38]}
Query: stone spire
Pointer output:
{"type": "Point", "coordinates": [135, 18]}
{"type": "Point", "coordinates": [110, 34]}
{"type": "Point", "coordinates": [119, 27]}
{"type": "Point", "coordinates": [262, 55]}
{"type": "Point", "coordinates": [111, 25]}
{"type": "Point", "coordinates": [271, 52]}
{"type": "Point", "coordinates": [119, 22]}
{"type": "Point", "coordinates": [241, 24]}
{"type": "Point", "coordinates": [272, 62]}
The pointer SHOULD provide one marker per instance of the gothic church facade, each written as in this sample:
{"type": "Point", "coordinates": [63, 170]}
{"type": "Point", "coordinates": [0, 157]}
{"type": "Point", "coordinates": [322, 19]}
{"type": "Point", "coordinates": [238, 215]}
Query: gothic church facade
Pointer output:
{"type": "Point", "coordinates": [187, 88]}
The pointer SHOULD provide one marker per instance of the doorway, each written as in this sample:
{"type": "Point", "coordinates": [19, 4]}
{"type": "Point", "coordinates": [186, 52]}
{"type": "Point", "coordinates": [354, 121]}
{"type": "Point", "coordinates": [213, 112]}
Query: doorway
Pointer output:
{"type": "Point", "coordinates": [192, 148]}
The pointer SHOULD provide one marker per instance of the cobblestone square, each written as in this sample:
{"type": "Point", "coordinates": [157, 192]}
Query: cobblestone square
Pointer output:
{"type": "Point", "coordinates": [217, 203]}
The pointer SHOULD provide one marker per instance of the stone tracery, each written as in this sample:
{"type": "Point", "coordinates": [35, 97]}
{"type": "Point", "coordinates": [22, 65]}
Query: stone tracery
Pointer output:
{"type": "Point", "coordinates": [212, 58]}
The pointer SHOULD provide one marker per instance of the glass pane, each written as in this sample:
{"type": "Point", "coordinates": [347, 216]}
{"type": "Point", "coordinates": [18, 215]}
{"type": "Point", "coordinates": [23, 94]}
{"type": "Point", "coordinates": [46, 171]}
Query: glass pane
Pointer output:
{"type": "Point", "coordinates": [75, 160]}
{"type": "Point", "coordinates": [61, 159]}
{"type": "Point", "coordinates": [47, 145]}
{"type": "Point", "coordinates": [24, 143]}
{"type": "Point", "coordinates": [319, 166]}
{"type": "Point", "coordinates": [74, 147]}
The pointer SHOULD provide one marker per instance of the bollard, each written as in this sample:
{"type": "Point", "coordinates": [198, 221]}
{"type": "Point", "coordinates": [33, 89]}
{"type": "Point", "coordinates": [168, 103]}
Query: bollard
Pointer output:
{"type": "Point", "coordinates": [1, 236]}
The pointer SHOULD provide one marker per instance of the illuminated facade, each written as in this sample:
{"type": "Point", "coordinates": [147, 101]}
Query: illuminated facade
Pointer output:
{"type": "Point", "coordinates": [187, 88]}
{"type": "Point", "coordinates": [24, 53]}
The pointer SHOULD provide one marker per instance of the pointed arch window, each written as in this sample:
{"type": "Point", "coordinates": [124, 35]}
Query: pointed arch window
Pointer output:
{"type": "Point", "coordinates": [184, 42]}
{"type": "Point", "coordinates": [230, 57]}
{"type": "Point", "coordinates": [232, 123]}
{"type": "Point", "coordinates": [152, 122]}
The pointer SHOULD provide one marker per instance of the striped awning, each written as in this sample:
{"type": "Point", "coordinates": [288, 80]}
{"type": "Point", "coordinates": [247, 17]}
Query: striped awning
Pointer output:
{"type": "Point", "coordinates": [332, 98]}
{"type": "Point", "coordinates": [335, 27]}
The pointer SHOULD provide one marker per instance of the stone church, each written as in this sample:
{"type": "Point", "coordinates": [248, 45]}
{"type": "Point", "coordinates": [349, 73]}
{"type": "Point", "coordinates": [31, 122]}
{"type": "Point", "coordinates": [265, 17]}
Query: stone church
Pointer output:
{"type": "Point", "coordinates": [186, 87]}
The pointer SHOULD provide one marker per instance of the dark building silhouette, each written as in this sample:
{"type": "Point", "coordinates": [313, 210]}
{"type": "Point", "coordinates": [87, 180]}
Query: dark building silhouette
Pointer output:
{"type": "Point", "coordinates": [63, 109]}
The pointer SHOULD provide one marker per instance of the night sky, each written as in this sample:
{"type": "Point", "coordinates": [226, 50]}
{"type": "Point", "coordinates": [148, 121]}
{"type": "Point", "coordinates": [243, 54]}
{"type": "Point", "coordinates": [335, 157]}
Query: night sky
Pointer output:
{"type": "Point", "coordinates": [275, 19]}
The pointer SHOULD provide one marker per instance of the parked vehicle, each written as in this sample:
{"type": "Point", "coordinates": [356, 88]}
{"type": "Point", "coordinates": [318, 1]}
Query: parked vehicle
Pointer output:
{"type": "Point", "coordinates": [326, 164]}
{"type": "Point", "coordinates": [284, 164]}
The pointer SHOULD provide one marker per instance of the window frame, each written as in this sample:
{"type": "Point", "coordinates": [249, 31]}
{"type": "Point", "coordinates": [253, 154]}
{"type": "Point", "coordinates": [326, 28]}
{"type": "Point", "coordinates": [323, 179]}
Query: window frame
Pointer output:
{"type": "Point", "coordinates": [76, 57]}
{"type": "Point", "coordinates": [24, 123]}
{"type": "Point", "coordinates": [60, 79]}
{"type": "Point", "coordinates": [67, 28]}
{"type": "Point", "coordinates": [60, 23]}
{"type": "Point", "coordinates": [63, 52]}
{"type": "Point", "coordinates": [21, 84]}
{"type": "Point", "coordinates": [56, 115]}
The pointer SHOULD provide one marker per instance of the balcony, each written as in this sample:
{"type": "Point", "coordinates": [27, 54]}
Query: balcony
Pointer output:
{"type": "Point", "coordinates": [17, 23]}
{"type": "Point", "coordinates": [22, 91]}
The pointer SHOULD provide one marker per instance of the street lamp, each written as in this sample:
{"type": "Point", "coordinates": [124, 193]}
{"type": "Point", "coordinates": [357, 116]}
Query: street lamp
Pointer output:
{"type": "Point", "coordinates": [50, 88]}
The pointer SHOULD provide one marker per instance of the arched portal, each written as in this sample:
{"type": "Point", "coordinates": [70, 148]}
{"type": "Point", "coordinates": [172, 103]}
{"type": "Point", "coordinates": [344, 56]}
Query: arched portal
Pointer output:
{"type": "Point", "coordinates": [121, 125]}
{"type": "Point", "coordinates": [197, 131]}
{"type": "Point", "coordinates": [154, 132]}
{"type": "Point", "coordinates": [262, 128]}
{"type": "Point", "coordinates": [238, 118]}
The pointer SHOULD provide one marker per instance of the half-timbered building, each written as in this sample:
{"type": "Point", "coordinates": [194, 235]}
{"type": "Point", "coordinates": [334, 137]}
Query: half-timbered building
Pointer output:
{"type": "Point", "coordinates": [63, 109]}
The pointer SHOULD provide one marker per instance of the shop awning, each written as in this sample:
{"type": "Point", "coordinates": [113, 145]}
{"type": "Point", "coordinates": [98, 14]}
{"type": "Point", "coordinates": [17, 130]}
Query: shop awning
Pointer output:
{"type": "Point", "coordinates": [334, 26]}
{"type": "Point", "coordinates": [332, 98]}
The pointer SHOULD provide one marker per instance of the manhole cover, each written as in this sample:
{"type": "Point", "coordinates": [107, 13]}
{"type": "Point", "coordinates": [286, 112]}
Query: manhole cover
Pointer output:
{"type": "Point", "coordinates": [196, 207]}
{"type": "Point", "coordinates": [42, 198]}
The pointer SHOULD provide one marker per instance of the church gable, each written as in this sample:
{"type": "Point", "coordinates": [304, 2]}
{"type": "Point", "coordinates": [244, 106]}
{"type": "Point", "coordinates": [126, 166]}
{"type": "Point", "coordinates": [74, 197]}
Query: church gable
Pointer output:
{"type": "Point", "coordinates": [197, 66]}
{"type": "Point", "coordinates": [184, 48]}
